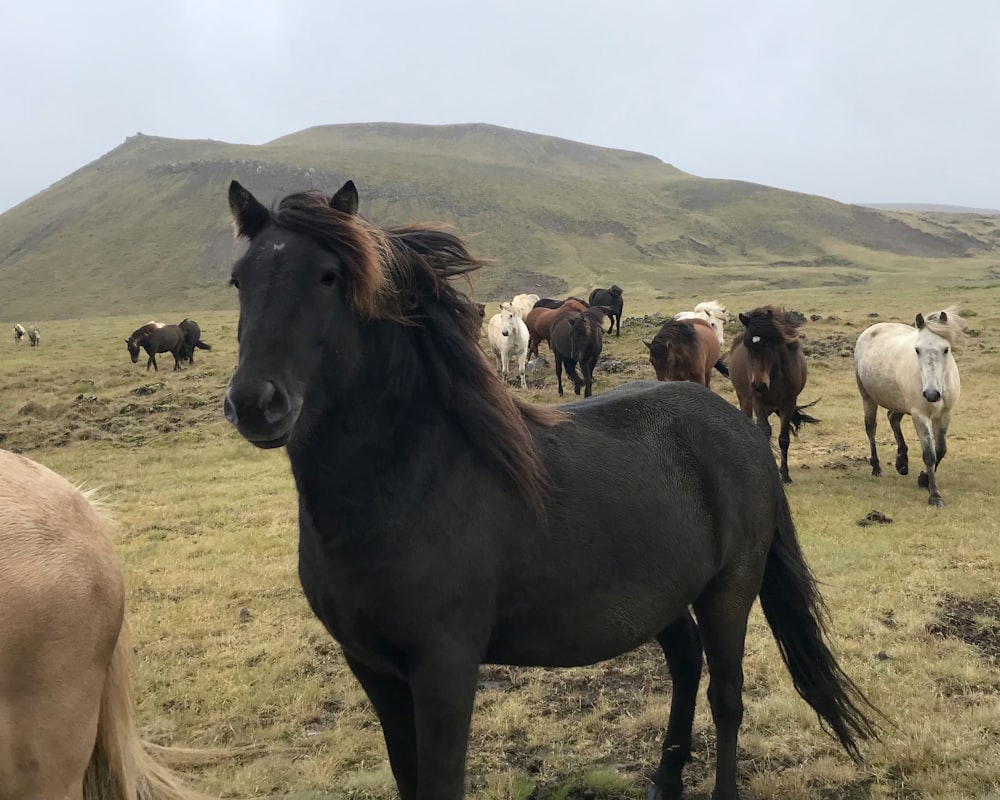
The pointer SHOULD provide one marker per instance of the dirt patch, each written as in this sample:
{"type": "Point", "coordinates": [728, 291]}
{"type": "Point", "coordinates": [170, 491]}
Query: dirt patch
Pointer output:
{"type": "Point", "coordinates": [975, 621]}
{"type": "Point", "coordinates": [874, 518]}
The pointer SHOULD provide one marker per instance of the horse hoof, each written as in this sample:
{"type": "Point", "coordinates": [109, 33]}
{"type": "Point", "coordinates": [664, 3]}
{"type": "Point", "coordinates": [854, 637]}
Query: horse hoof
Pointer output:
{"type": "Point", "coordinates": [923, 481]}
{"type": "Point", "coordinates": [876, 472]}
{"type": "Point", "coordinates": [937, 502]}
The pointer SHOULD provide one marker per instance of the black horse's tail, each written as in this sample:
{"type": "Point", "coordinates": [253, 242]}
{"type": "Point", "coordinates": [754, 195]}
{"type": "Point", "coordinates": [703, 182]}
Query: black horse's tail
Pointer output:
{"type": "Point", "coordinates": [202, 346]}
{"type": "Point", "coordinates": [799, 419]}
{"type": "Point", "coordinates": [722, 368]}
{"type": "Point", "coordinates": [795, 612]}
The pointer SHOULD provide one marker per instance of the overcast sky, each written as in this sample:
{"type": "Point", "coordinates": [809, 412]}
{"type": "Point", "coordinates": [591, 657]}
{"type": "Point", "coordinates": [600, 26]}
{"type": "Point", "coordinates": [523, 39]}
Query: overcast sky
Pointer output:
{"type": "Point", "coordinates": [858, 100]}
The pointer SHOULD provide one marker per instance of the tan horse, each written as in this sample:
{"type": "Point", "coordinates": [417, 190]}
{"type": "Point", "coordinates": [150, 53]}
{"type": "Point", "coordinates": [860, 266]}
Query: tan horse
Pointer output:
{"type": "Point", "coordinates": [684, 350]}
{"type": "Point", "coordinates": [67, 716]}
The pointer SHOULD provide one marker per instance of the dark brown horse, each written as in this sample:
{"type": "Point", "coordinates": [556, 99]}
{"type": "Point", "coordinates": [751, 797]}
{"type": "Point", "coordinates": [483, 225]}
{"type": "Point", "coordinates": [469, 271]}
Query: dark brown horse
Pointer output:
{"type": "Point", "coordinates": [540, 319]}
{"type": "Point", "coordinates": [684, 350]}
{"type": "Point", "coordinates": [768, 371]}
{"type": "Point", "coordinates": [155, 337]}
{"type": "Point", "coordinates": [192, 339]}
{"type": "Point", "coordinates": [513, 534]}
{"type": "Point", "coordinates": [612, 299]}
{"type": "Point", "coordinates": [577, 338]}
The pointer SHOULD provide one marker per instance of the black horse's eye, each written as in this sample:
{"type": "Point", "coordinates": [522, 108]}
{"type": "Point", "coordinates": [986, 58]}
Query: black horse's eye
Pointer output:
{"type": "Point", "coordinates": [329, 277]}
{"type": "Point", "coordinates": [234, 283]}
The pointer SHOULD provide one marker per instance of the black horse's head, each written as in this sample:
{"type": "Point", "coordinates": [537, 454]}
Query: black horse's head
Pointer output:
{"type": "Point", "coordinates": [133, 349]}
{"type": "Point", "coordinates": [295, 295]}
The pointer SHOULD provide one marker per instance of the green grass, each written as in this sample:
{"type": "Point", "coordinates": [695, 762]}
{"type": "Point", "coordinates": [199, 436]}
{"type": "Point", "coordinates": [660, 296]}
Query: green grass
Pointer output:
{"type": "Point", "coordinates": [206, 527]}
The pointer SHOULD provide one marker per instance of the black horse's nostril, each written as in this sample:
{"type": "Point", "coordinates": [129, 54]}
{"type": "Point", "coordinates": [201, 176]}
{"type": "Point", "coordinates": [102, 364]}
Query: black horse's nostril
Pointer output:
{"type": "Point", "coordinates": [274, 403]}
{"type": "Point", "coordinates": [257, 403]}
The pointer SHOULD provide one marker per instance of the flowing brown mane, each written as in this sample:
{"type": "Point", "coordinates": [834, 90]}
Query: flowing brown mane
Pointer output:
{"type": "Point", "coordinates": [401, 275]}
{"type": "Point", "coordinates": [772, 324]}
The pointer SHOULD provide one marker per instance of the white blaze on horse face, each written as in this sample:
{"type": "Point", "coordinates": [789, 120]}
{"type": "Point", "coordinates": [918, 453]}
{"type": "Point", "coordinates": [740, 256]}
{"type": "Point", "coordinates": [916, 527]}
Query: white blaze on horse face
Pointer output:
{"type": "Point", "coordinates": [278, 246]}
{"type": "Point", "coordinates": [755, 339]}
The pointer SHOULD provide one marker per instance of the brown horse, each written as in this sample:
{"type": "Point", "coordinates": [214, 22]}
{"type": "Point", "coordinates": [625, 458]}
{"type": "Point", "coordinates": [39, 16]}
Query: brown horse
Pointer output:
{"type": "Point", "coordinates": [155, 337]}
{"type": "Point", "coordinates": [768, 371]}
{"type": "Point", "coordinates": [540, 319]}
{"type": "Point", "coordinates": [67, 717]}
{"type": "Point", "coordinates": [577, 338]}
{"type": "Point", "coordinates": [684, 350]}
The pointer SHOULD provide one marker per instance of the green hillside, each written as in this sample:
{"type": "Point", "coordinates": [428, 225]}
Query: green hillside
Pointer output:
{"type": "Point", "coordinates": [147, 226]}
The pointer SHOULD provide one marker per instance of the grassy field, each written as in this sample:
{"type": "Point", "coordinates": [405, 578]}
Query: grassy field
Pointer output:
{"type": "Point", "coordinates": [229, 653]}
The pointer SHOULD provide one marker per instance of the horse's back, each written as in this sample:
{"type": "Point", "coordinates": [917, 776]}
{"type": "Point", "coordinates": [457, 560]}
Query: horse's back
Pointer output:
{"type": "Point", "coordinates": [61, 612]}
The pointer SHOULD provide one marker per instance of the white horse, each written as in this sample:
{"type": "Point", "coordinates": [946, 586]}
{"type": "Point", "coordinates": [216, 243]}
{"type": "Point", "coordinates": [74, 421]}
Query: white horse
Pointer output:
{"type": "Point", "coordinates": [713, 312]}
{"type": "Point", "coordinates": [18, 333]}
{"type": "Point", "coordinates": [508, 336]}
{"type": "Point", "coordinates": [523, 303]}
{"type": "Point", "coordinates": [911, 371]}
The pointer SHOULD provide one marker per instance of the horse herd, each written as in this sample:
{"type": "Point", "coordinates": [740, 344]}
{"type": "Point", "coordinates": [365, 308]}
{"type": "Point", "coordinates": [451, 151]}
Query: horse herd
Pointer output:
{"type": "Point", "coordinates": [444, 523]}
{"type": "Point", "coordinates": [908, 370]}
{"type": "Point", "coordinates": [32, 332]}
{"type": "Point", "coordinates": [179, 340]}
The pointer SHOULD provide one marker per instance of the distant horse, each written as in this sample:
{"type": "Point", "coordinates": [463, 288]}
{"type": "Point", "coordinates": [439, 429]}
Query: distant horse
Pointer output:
{"type": "Point", "coordinates": [612, 299]}
{"type": "Point", "coordinates": [18, 333]}
{"type": "Point", "coordinates": [539, 322]}
{"type": "Point", "coordinates": [713, 312]}
{"type": "Point", "coordinates": [594, 527]}
{"type": "Point", "coordinates": [550, 302]}
{"type": "Point", "coordinates": [68, 719]}
{"type": "Point", "coordinates": [508, 337]}
{"type": "Point", "coordinates": [34, 336]}
{"type": "Point", "coordinates": [155, 337]}
{"type": "Point", "coordinates": [192, 339]}
{"type": "Point", "coordinates": [577, 338]}
{"type": "Point", "coordinates": [912, 371]}
{"type": "Point", "coordinates": [684, 350]}
{"type": "Point", "coordinates": [523, 303]}
{"type": "Point", "coordinates": [768, 370]}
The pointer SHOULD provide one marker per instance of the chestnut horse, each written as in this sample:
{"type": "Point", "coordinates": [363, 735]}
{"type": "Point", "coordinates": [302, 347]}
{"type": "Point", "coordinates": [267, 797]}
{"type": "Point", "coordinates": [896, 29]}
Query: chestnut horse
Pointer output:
{"type": "Point", "coordinates": [684, 350]}
{"type": "Point", "coordinates": [540, 319]}
{"type": "Point", "coordinates": [768, 371]}
{"type": "Point", "coordinates": [67, 717]}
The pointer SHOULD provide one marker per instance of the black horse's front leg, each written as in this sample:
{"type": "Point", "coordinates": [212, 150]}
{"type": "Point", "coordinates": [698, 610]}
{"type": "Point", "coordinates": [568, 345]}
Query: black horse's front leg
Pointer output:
{"type": "Point", "coordinates": [784, 438]}
{"type": "Point", "coordinates": [393, 703]}
{"type": "Point", "coordinates": [443, 684]}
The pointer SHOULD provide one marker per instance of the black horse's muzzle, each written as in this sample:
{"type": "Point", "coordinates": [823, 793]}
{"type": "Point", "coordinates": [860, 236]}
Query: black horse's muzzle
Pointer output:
{"type": "Point", "coordinates": [261, 411]}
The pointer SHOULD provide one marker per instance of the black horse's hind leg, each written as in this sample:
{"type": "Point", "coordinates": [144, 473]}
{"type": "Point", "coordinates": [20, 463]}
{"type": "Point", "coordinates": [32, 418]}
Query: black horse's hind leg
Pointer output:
{"type": "Point", "coordinates": [902, 451]}
{"type": "Point", "coordinates": [559, 371]}
{"type": "Point", "coordinates": [681, 645]}
{"type": "Point", "coordinates": [722, 620]}
{"type": "Point", "coordinates": [393, 703]}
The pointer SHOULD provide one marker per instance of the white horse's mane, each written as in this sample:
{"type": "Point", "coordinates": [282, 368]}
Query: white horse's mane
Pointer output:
{"type": "Point", "coordinates": [953, 328]}
{"type": "Point", "coordinates": [712, 308]}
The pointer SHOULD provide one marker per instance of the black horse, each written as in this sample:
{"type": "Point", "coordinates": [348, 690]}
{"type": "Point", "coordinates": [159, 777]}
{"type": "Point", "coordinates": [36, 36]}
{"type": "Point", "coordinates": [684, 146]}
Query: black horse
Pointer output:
{"type": "Point", "coordinates": [577, 338]}
{"type": "Point", "coordinates": [155, 338]}
{"type": "Point", "coordinates": [612, 298]}
{"type": "Point", "coordinates": [548, 302]}
{"type": "Point", "coordinates": [444, 524]}
{"type": "Point", "coordinates": [192, 339]}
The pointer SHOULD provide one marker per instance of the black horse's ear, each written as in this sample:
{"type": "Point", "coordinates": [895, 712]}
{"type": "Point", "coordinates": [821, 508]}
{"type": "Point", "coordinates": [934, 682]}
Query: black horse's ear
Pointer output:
{"type": "Point", "coordinates": [249, 216]}
{"type": "Point", "coordinates": [920, 322]}
{"type": "Point", "coordinates": [648, 345]}
{"type": "Point", "coordinates": [744, 319]}
{"type": "Point", "coordinates": [346, 199]}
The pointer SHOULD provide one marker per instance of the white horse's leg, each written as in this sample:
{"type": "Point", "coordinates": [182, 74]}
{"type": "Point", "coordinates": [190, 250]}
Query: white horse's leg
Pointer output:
{"type": "Point", "coordinates": [941, 437]}
{"type": "Point", "coordinates": [928, 478]}
{"type": "Point", "coordinates": [522, 361]}
{"type": "Point", "coordinates": [902, 451]}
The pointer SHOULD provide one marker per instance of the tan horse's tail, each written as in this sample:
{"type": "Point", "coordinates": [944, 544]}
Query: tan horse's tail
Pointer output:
{"type": "Point", "coordinates": [121, 766]}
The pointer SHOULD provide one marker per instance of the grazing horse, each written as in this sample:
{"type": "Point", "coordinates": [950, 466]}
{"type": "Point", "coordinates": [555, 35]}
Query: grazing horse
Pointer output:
{"type": "Point", "coordinates": [18, 333]}
{"type": "Point", "coordinates": [67, 717]}
{"type": "Point", "coordinates": [523, 303]}
{"type": "Point", "coordinates": [612, 299]}
{"type": "Point", "coordinates": [155, 337]}
{"type": "Point", "coordinates": [911, 370]}
{"type": "Point", "coordinates": [684, 350]}
{"type": "Point", "coordinates": [508, 336]}
{"type": "Point", "coordinates": [768, 370]}
{"type": "Point", "coordinates": [540, 318]}
{"type": "Point", "coordinates": [577, 338]}
{"type": "Point", "coordinates": [34, 335]}
{"type": "Point", "coordinates": [557, 562]}
{"type": "Point", "coordinates": [192, 339]}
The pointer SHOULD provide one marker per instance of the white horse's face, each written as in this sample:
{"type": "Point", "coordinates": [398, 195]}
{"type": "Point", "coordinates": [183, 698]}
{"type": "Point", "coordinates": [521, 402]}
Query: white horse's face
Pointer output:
{"type": "Point", "coordinates": [935, 359]}
{"type": "Point", "coordinates": [507, 316]}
